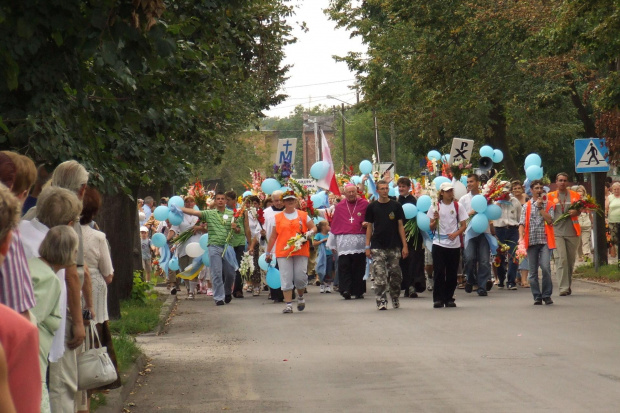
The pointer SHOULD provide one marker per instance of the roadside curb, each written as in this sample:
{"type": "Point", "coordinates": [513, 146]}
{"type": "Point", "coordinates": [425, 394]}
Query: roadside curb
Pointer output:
{"type": "Point", "coordinates": [115, 399]}
{"type": "Point", "coordinates": [613, 287]}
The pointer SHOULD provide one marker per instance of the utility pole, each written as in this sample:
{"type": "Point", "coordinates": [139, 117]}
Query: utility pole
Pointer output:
{"type": "Point", "coordinates": [374, 114]}
{"type": "Point", "coordinates": [344, 145]}
{"type": "Point", "coordinates": [393, 147]}
{"type": "Point", "coordinates": [316, 141]}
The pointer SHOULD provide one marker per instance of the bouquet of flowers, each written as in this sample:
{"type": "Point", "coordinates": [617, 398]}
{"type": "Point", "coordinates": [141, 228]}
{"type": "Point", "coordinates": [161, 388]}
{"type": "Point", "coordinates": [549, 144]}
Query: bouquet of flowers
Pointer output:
{"type": "Point", "coordinates": [283, 172]}
{"type": "Point", "coordinates": [236, 214]}
{"type": "Point", "coordinates": [412, 231]}
{"type": "Point", "coordinates": [295, 243]}
{"type": "Point", "coordinates": [182, 237]}
{"type": "Point", "coordinates": [520, 252]}
{"type": "Point", "coordinates": [259, 215]}
{"type": "Point", "coordinates": [458, 168]}
{"type": "Point", "coordinates": [502, 250]}
{"type": "Point", "coordinates": [200, 195]}
{"type": "Point", "coordinates": [493, 190]}
{"type": "Point", "coordinates": [588, 203]}
{"type": "Point", "coordinates": [246, 267]}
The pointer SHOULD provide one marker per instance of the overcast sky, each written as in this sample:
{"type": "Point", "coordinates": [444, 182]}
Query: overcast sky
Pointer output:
{"type": "Point", "coordinates": [315, 74]}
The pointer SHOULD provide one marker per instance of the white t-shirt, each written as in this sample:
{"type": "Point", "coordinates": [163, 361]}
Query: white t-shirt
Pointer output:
{"type": "Point", "coordinates": [448, 224]}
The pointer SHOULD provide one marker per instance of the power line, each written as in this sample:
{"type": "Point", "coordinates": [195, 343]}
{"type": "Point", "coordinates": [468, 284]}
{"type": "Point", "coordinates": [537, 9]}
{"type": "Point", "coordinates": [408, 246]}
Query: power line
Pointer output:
{"type": "Point", "coordinates": [318, 100]}
{"type": "Point", "coordinates": [316, 84]}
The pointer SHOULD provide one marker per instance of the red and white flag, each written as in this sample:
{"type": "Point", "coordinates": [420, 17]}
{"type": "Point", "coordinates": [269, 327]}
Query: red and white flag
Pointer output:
{"type": "Point", "coordinates": [329, 181]}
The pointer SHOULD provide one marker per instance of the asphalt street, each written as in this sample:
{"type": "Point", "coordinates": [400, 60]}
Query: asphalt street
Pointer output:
{"type": "Point", "coordinates": [490, 354]}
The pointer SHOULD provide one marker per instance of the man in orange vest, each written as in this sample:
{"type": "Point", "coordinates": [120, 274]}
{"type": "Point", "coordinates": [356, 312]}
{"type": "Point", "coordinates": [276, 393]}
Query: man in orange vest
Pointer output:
{"type": "Point", "coordinates": [567, 232]}
{"type": "Point", "coordinates": [536, 232]}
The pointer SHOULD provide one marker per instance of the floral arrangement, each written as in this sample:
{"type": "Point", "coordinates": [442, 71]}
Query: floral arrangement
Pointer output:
{"type": "Point", "coordinates": [588, 203]}
{"type": "Point", "coordinates": [458, 168]}
{"type": "Point", "coordinates": [300, 189]}
{"type": "Point", "coordinates": [520, 252]}
{"type": "Point", "coordinates": [347, 171]}
{"type": "Point", "coordinates": [200, 195]}
{"type": "Point", "coordinates": [283, 172]}
{"type": "Point", "coordinates": [493, 190]}
{"type": "Point", "coordinates": [246, 267]}
{"type": "Point", "coordinates": [309, 207]}
{"type": "Point", "coordinates": [259, 215]}
{"type": "Point", "coordinates": [412, 231]}
{"type": "Point", "coordinates": [295, 243]}
{"type": "Point", "coordinates": [255, 184]}
{"type": "Point", "coordinates": [502, 250]}
{"type": "Point", "coordinates": [182, 237]}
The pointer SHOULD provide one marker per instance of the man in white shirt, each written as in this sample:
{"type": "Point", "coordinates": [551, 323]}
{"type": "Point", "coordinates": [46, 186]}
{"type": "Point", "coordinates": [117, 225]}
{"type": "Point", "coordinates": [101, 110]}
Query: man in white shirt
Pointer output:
{"type": "Point", "coordinates": [507, 231]}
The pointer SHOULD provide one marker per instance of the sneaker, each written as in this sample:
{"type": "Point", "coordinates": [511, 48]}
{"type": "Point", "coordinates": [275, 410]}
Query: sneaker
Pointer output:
{"type": "Point", "coordinates": [395, 302]}
{"type": "Point", "coordinates": [429, 283]}
{"type": "Point", "coordinates": [548, 300]}
{"type": "Point", "coordinates": [301, 304]}
{"type": "Point", "coordinates": [381, 304]}
{"type": "Point", "coordinates": [219, 302]}
{"type": "Point", "coordinates": [256, 292]}
{"type": "Point", "coordinates": [412, 293]}
{"type": "Point", "coordinates": [288, 309]}
{"type": "Point", "coordinates": [450, 304]}
{"type": "Point", "coordinates": [322, 289]}
{"type": "Point", "coordinates": [328, 289]}
{"type": "Point", "coordinates": [500, 286]}
{"type": "Point", "coordinates": [346, 295]}
{"type": "Point", "coordinates": [438, 304]}
{"type": "Point", "coordinates": [482, 293]}
{"type": "Point", "coordinates": [372, 285]}
{"type": "Point", "coordinates": [537, 302]}
{"type": "Point", "coordinates": [190, 296]}
{"type": "Point", "coordinates": [210, 291]}
{"type": "Point", "coordinates": [512, 287]}
{"type": "Point", "coordinates": [468, 288]}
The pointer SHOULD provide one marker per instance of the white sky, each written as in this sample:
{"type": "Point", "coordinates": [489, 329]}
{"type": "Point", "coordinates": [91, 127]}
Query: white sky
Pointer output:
{"type": "Point", "coordinates": [312, 62]}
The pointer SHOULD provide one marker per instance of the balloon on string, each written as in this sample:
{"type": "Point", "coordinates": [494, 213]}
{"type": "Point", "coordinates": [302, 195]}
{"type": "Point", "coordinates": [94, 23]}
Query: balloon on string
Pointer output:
{"type": "Point", "coordinates": [206, 260]}
{"type": "Point", "coordinates": [464, 180]}
{"type": "Point", "coordinates": [318, 199]}
{"type": "Point", "coordinates": [486, 151]}
{"type": "Point", "coordinates": [423, 221]}
{"type": "Point", "coordinates": [440, 180]}
{"type": "Point", "coordinates": [173, 264]}
{"type": "Point", "coordinates": [246, 194]}
{"type": "Point", "coordinates": [433, 155]}
{"type": "Point", "coordinates": [532, 159]}
{"type": "Point", "coordinates": [479, 223]}
{"type": "Point", "coordinates": [204, 241]}
{"type": "Point", "coordinates": [410, 211]}
{"type": "Point", "coordinates": [479, 203]}
{"type": "Point", "coordinates": [273, 278]}
{"type": "Point", "coordinates": [161, 213]}
{"type": "Point", "coordinates": [534, 172]}
{"type": "Point", "coordinates": [365, 167]}
{"type": "Point", "coordinates": [445, 158]}
{"type": "Point", "coordinates": [175, 219]}
{"type": "Point", "coordinates": [194, 250]}
{"type": "Point", "coordinates": [356, 179]}
{"type": "Point", "coordinates": [263, 264]}
{"type": "Point", "coordinates": [424, 203]}
{"type": "Point", "coordinates": [177, 200]}
{"type": "Point", "coordinates": [498, 156]}
{"type": "Point", "coordinates": [158, 240]}
{"type": "Point", "coordinates": [459, 189]}
{"type": "Point", "coordinates": [319, 170]}
{"type": "Point", "coordinates": [526, 187]}
{"type": "Point", "coordinates": [269, 185]}
{"type": "Point", "coordinates": [493, 212]}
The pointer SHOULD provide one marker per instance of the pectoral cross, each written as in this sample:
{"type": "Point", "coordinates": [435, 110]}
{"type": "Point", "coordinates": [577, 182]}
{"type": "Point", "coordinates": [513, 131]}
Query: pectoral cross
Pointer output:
{"type": "Point", "coordinates": [351, 220]}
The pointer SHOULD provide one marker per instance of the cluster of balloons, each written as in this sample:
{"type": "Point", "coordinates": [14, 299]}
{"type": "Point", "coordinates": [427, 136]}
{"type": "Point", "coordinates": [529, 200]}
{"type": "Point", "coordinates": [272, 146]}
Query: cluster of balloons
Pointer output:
{"type": "Point", "coordinates": [273, 274]}
{"type": "Point", "coordinates": [319, 170]}
{"type": "Point", "coordinates": [532, 166]}
{"type": "Point", "coordinates": [319, 200]}
{"type": "Point", "coordinates": [162, 212]}
{"type": "Point", "coordinates": [423, 205]}
{"type": "Point", "coordinates": [488, 152]}
{"type": "Point", "coordinates": [193, 249]}
{"type": "Point", "coordinates": [269, 185]}
{"type": "Point", "coordinates": [485, 213]}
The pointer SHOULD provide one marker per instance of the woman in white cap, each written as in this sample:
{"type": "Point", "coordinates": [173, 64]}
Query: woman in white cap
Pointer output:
{"type": "Point", "coordinates": [448, 223]}
{"type": "Point", "coordinates": [292, 264]}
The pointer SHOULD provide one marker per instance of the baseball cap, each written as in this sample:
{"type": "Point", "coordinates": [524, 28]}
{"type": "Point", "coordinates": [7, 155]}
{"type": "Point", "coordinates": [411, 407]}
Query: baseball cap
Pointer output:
{"type": "Point", "coordinates": [446, 186]}
{"type": "Point", "coordinates": [144, 229]}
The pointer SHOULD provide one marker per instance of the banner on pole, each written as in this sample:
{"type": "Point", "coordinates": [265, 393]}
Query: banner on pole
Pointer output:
{"type": "Point", "coordinates": [461, 150]}
{"type": "Point", "coordinates": [286, 151]}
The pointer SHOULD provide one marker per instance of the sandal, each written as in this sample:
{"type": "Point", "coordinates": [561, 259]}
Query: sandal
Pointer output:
{"type": "Point", "coordinates": [525, 286]}
{"type": "Point", "coordinates": [190, 296]}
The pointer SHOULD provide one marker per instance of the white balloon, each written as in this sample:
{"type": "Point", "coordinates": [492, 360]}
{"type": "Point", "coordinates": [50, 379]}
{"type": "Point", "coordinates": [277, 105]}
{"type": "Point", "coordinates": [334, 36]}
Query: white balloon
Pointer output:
{"type": "Point", "coordinates": [459, 189]}
{"type": "Point", "coordinates": [194, 250]}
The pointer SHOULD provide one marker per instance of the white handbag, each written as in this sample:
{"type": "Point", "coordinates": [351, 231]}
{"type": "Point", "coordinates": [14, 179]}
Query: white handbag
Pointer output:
{"type": "Point", "coordinates": [95, 368]}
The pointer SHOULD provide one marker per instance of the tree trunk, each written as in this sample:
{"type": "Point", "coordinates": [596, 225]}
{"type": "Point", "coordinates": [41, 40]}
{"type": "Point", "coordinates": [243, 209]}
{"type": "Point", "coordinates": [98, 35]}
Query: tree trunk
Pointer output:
{"type": "Point", "coordinates": [499, 139]}
{"type": "Point", "coordinates": [584, 116]}
{"type": "Point", "coordinates": [118, 218]}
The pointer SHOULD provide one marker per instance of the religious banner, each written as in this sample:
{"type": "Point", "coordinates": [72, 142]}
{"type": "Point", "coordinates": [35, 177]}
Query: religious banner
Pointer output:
{"type": "Point", "coordinates": [285, 151]}
{"type": "Point", "coordinates": [461, 150]}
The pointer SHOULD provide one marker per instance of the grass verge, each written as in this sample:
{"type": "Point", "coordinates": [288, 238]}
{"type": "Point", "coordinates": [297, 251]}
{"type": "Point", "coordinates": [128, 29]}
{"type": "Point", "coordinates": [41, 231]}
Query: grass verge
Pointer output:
{"type": "Point", "coordinates": [606, 273]}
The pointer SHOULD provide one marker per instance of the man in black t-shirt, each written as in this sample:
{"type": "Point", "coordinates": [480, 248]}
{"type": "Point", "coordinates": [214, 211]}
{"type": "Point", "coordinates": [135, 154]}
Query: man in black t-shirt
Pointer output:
{"type": "Point", "coordinates": [384, 240]}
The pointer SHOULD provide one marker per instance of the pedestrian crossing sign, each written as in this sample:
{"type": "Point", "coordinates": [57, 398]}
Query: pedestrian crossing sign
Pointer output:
{"type": "Point", "coordinates": [591, 155]}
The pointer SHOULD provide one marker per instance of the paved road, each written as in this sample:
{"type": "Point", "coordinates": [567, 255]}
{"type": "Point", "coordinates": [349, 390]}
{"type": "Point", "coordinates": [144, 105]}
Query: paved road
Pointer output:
{"type": "Point", "coordinates": [491, 354]}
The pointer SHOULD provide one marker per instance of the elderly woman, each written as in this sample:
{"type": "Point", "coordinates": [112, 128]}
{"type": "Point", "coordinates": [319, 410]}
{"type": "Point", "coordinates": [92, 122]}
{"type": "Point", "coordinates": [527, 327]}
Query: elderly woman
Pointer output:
{"type": "Point", "coordinates": [57, 252]}
{"type": "Point", "coordinates": [516, 188]}
{"type": "Point", "coordinates": [291, 262]}
{"type": "Point", "coordinates": [585, 222]}
{"type": "Point", "coordinates": [612, 212]}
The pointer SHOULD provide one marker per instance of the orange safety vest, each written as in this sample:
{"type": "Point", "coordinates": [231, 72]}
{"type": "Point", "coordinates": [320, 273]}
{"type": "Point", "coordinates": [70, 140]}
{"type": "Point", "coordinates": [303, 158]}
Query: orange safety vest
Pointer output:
{"type": "Point", "coordinates": [287, 229]}
{"type": "Point", "coordinates": [548, 228]}
{"type": "Point", "coordinates": [574, 197]}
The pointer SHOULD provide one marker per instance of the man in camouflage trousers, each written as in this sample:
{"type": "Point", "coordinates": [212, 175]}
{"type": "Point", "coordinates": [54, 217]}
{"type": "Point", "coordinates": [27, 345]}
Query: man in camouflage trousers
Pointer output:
{"type": "Point", "coordinates": [385, 245]}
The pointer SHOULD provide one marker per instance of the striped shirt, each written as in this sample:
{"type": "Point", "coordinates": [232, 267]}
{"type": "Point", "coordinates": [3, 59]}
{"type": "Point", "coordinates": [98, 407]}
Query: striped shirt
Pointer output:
{"type": "Point", "coordinates": [537, 222]}
{"type": "Point", "coordinates": [218, 225]}
{"type": "Point", "coordinates": [15, 284]}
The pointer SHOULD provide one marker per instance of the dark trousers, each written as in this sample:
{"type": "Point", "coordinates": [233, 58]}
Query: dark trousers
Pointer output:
{"type": "Point", "coordinates": [412, 268]}
{"type": "Point", "coordinates": [510, 237]}
{"type": "Point", "coordinates": [445, 267]}
{"type": "Point", "coordinates": [238, 281]}
{"type": "Point", "coordinates": [351, 269]}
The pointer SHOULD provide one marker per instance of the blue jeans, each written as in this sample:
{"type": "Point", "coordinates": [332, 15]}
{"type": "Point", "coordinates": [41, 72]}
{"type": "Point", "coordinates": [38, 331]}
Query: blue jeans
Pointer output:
{"type": "Point", "coordinates": [510, 237]}
{"type": "Point", "coordinates": [222, 273]}
{"type": "Point", "coordinates": [329, 269]}
{"type": "Point", "coordinates": [540, 256]}
{"type": "Point", "coordinates": [477, 255]}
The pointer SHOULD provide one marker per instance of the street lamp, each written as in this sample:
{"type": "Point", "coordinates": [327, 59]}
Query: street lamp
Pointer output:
{"type": "Point", "coordinates": [344, 145]}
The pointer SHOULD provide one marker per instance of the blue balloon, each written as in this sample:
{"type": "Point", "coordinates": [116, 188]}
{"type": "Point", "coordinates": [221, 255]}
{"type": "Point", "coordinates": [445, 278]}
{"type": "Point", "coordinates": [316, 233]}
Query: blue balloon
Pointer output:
{"type": "Point", "coordinates": [423, 221]}
{"type": "Point", "coordinates": [532, 159]}
{"type": "Point", "coordinates": [204, 241]}
{"type": "Point", "coordinates": [392, 192]}
{"type": "Point", "coordinates": [319, 200]}
{"type": "Point", "coordinates": [173, 264]}
{"type": "Point", "coordinates": [177, 200]}
{"type": "Point", "coordinates": [246, 194]}
{"type": "Point", "coordinates": [433, 155]}
{"type": "Point", "coordinates": [356, 179]}
{"type": "Point", "coordinates": [161, 213]}
{"type": "Point", "coordinates": [486, 151]}
{"type": "Point", "coordinates": [445, 158]}
{"type": "Point", "coordinates": [534, 172]}
{"type": "Point", "coordinates": [263, 264]}
{"type": "Point", "coordinates": [196, 208]}
{"type": "Point", "coordinates": [269, 185]}
{"type": "Point", "coordinates": [479, 203]}
{"type": "Point", "coordinates": [273, 278]}
{"type": "Point", "coordinates": [493, 212]}
{"type": "Point", "coordinates": [365, 167]}
{"type": "Point", "coordinates": [391, 184]}
{"type": "Point", "coordinates": [463, 180]}
{"type": "Point", "coordinates": [498, 156]}
{"type": "Point", "coordinates": [410, 210]}
{"type": "Point", "coordinates": [424, 203]}
{"type": "Point", "coordinates": [479, 223]}
{"type": "Point", "coordinates": [158, 240]}
{"type": "Point", "coordinates": [319, 170]}
{"type": "Point", "coordinates": [206, 260]}
{"type": "Point", "coordinates": [440, 180]}
{"type": "Point", "coordinates": [175, 219]}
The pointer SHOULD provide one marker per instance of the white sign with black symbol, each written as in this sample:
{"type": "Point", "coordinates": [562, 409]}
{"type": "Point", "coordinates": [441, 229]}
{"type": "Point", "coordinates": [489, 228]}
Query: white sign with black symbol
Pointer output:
{"type": "Point", "coordinates": [461, 150]}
